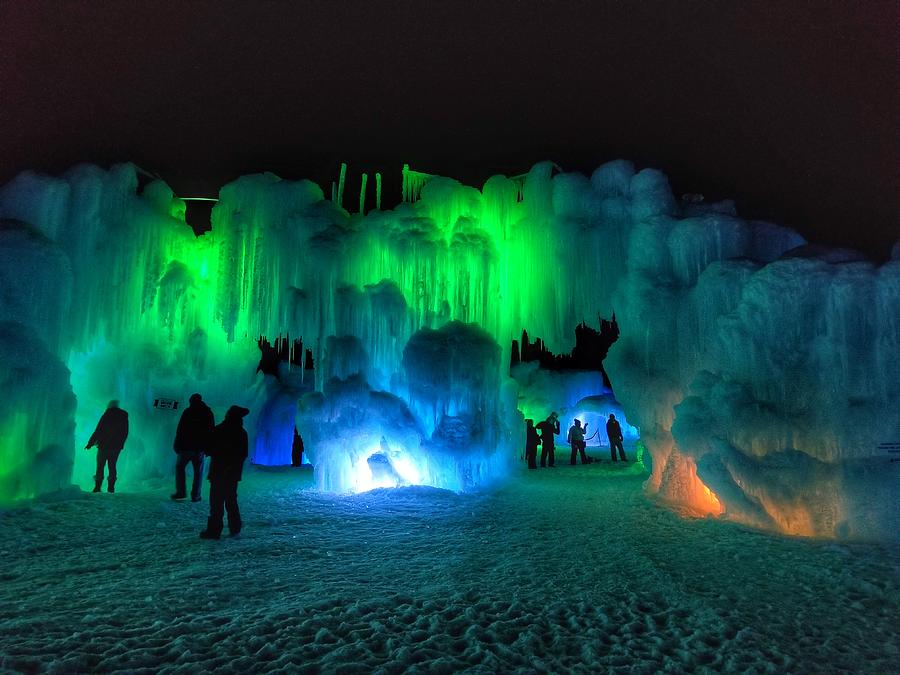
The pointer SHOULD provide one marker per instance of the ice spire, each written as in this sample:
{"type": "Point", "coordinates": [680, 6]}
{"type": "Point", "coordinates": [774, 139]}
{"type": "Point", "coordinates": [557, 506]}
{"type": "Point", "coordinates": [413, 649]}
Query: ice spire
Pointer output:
{"type": "Point", "coordinates": [362, 194]}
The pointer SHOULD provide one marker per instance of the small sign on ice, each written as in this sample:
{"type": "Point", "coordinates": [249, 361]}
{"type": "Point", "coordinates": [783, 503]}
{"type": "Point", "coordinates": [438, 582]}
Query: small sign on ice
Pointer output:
{"type": "Point", "coordinates": [165, 403]}
{"type": "Point", "coordinates": [893, 449]}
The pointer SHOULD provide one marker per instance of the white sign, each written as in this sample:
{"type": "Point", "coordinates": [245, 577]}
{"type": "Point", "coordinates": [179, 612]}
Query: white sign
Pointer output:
{"type": "Point", "coordinates": [166, 403]}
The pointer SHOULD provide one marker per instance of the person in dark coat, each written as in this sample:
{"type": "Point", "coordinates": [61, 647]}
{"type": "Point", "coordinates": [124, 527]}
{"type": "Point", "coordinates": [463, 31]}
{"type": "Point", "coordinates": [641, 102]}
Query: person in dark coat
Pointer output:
{"type": "Point", "coordinates": [614, 434]}
{"type": "Point", "coordinates": [576, 440]}
{"type": "Point", "coordinates": [228, 449]}
{"type": "Point", "coordinates": [297, 449]}
{"type": "Point", "coordinates": [532, 441]}
{"type": "Point", "coordinates": [191, 438]}
{"type": "Point", "coordinates": [109, 437]}
{"type": "Point", "coordinates": [549, 428]}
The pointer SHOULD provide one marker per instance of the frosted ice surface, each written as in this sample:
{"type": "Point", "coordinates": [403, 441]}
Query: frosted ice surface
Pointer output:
{"type": "Point", "coordinates": [761, 372]}
{"type": "Point", "coordinates": [36, 414]}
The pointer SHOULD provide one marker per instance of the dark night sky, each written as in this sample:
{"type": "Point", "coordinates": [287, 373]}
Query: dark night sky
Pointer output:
{"type": "Point", "coordinates": [791, 108]}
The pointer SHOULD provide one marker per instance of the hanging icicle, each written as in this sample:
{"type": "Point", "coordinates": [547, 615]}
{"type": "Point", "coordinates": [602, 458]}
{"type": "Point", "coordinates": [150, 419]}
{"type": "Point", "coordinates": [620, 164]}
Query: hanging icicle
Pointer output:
{"type": "Point", "coordinates": [413, 182]}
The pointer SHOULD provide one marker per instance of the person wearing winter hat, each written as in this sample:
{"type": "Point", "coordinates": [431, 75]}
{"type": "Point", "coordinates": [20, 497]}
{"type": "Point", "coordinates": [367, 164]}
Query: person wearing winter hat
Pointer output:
{"type": "Point", "coordinates": [549, 428]}
{"type": "Point", "coordinates": [228, 448]}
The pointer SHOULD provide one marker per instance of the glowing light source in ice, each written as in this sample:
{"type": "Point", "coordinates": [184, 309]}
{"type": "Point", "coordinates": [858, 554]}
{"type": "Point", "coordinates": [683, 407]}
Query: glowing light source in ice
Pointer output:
{"type": "Point", "coordinates": [381, 466]}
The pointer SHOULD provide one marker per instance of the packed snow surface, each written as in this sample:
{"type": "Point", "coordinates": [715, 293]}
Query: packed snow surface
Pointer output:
{"type": "Point", "coordinates": [563, 570]}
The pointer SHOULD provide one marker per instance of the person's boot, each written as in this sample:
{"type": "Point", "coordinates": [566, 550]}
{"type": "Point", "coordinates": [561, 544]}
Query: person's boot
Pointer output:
{"type": "Point", "coordinates": [211, 531]}
{"type": "Point", "coordinates": [97, 485]}
{"type": "Point", "coordinates": [110, 487]}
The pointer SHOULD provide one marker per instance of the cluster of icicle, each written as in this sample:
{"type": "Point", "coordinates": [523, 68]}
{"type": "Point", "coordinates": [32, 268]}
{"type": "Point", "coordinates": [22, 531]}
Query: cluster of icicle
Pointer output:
{"type": "Point", "coordinates": [763, 373]}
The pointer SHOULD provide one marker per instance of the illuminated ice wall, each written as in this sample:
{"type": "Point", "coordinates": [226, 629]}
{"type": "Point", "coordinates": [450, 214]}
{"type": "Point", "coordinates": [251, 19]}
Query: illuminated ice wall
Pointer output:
{"type": "Point", "coordinates": [762, 373]}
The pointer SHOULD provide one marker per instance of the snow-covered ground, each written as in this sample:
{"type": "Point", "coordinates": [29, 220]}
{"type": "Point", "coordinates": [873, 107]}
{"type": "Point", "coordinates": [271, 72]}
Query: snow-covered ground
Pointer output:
{"type": "Point", "coordinates": [569, 569]}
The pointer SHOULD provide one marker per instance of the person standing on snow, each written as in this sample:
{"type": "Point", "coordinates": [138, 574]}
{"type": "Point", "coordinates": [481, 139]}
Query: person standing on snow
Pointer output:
{"type": "Point", "coordinates": [191, 438]}
{"type": "Point", "coordinates": [614, 433]}
{"type": "Point", "coordinates": [109, 437]}
{"type": "Point", "coordinates": [297, 449]}
{"type": "Point", "coordinates": [532, 440]}
{"type": "Point", "coordinates": [549, 428]}
{"type": "Point", "coordinates": [576, 440]}
{"type": "Point", "coordinates": [228, 449]}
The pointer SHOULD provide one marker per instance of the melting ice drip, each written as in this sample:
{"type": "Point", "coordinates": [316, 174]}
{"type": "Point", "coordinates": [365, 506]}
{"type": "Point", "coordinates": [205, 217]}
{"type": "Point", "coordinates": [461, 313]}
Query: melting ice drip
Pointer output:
{"type": "Point", "coordinates": [762, 374]}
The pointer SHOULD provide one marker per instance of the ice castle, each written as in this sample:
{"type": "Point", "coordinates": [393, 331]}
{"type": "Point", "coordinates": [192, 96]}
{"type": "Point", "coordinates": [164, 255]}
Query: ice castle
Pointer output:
{"type": "Point", "coordinates": [761, 373]}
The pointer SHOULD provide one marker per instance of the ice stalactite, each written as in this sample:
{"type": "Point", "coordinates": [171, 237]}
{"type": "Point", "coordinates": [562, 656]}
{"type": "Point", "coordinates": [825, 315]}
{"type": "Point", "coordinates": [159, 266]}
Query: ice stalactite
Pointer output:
{"type": "Point", "coordinates": [413, 182]}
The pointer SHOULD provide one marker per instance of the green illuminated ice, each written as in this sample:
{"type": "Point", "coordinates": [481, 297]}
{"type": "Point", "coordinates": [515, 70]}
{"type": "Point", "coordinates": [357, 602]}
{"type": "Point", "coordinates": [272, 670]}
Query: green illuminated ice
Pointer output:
{"type": "Point", "coordinates": [761, 380]}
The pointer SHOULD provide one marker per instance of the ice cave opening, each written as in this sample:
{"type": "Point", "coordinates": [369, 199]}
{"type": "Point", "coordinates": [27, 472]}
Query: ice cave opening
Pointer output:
{"type": "Point", "coordinates": [758, 373]}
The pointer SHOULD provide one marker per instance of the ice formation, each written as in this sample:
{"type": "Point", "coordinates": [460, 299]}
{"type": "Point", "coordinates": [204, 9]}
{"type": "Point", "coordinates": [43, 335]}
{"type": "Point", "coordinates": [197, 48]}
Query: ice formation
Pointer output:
{"type": "Point", "coordinates": [761, 373]}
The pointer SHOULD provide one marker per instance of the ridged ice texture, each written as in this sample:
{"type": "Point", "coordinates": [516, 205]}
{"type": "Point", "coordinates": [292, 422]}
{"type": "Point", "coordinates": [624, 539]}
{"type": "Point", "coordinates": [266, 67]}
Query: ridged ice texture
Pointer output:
{"type": "Point", "coordinates": [763, 374]}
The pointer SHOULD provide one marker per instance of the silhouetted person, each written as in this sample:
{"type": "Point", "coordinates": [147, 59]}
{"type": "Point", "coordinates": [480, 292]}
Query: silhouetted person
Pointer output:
{"type": "Point", "coordinates": [548, 428]}
{"type": "Point", "coordinates": [109, 437]}
{"type": "Point", "coordinates": [191, 438]}
{"type": "Point", "coordinates": [614, 433]}
{"type": "Point", "coordinates": [297, 449]}
{"type": "Point", "coordinates": [532, 440]}
{"type": "Point", "coordinates": [228, 450]}
{"type": "Point", "coordinates": [576, 440]}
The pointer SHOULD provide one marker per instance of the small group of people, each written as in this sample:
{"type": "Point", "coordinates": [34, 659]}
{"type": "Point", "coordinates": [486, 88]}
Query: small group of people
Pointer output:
{"type": "Point", "coordinates": [549, 429]}
{"type": "Point", "coordinates": [226, 444]}
{"type": "Point", "coordinates": [196, 437]}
